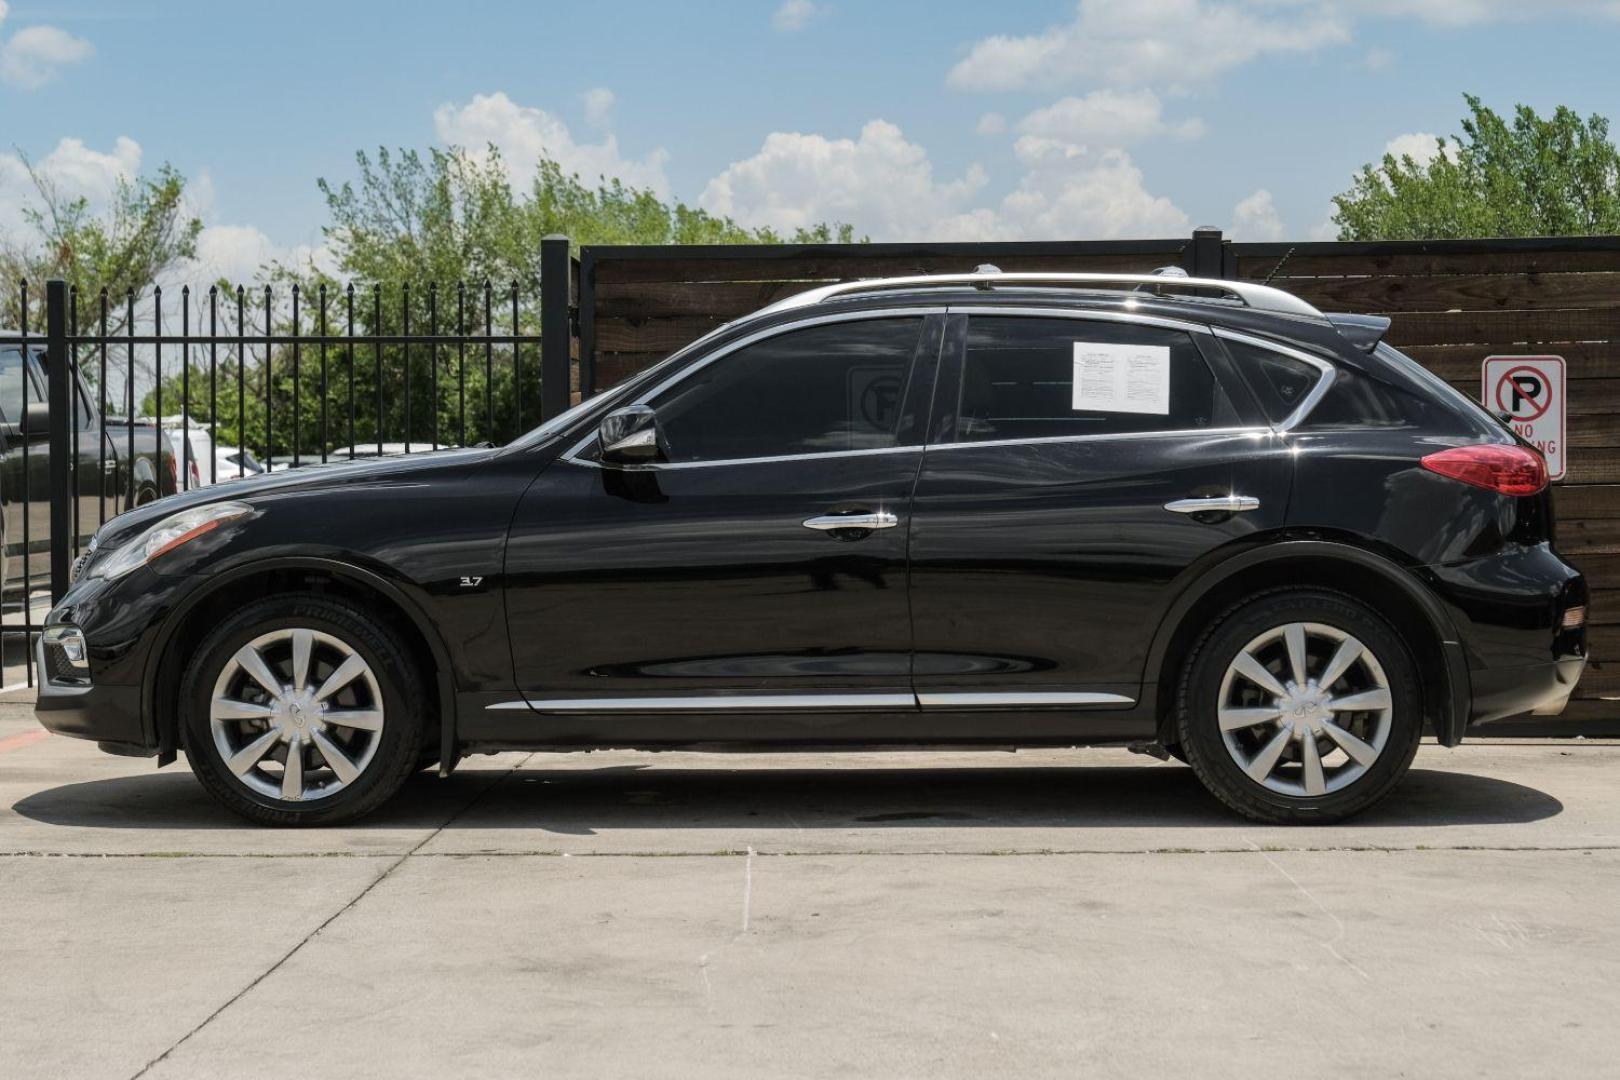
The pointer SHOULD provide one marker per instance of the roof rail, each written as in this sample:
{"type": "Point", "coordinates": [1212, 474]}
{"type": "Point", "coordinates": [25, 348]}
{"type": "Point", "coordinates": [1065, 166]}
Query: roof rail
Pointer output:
{"type": "Point", "coordinates": [1256, 297]}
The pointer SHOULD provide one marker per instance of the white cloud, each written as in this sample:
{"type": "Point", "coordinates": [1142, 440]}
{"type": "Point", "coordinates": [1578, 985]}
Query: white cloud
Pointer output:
{"type": "Point", "coordinates": [1110, 117]}
{"type": "Point", "coordinates": [33, 56]}
{"type": "Point", "coordinates": [1421, 146]}
{"type": "Point", "coordinates": [879, 182]}
{"type": "Point", "coordinates": [991, 123]}
{"type": "Point", "coordinates": [74, 169]}
{"type": "Point", "coordinates": [1377, 59]}
{"type": "Point", "coordinates": [233, 252]}
{"type": "Point", "coordinates": [1068, 192]}
{"type": "Point", "coordinates": [1127, 42]}
{"type": "Point", "coordinates": [1469, 12]}
{"type": "Point", "coordinates": [524, 135]}
{"type": "Point", "coordinates": [885, 186]}
{"type": "Point", "coordinates": [1256, 218]}
{"type": "Point", "coordinates": [794, 15]}
{"type": "Point", "coordinates": [598, 106]}
{"type": "Point", "coordinates": [239, 254]}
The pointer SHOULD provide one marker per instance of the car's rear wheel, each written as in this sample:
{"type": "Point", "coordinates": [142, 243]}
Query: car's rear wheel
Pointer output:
{"type": "Point", "coordinates": [1300, 706]}
{"type": "Point", "coordinates": [302, 710]}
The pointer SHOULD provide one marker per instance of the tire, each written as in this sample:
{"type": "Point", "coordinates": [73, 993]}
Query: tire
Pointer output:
{"type": "Point", "coordinates": [383, 697]}
{"type": "Point", "coordinates": [1263, 770]}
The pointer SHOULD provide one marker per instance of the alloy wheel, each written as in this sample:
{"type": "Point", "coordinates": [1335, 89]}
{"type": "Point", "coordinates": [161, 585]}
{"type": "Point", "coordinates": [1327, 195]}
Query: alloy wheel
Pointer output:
{"type": "Point", "coordinates": [1305, 709]}
{"type": "Point", "coordinates": [296, 714]}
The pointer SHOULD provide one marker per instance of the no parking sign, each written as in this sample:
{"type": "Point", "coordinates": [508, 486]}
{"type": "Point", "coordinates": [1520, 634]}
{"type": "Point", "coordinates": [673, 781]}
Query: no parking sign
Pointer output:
{"type": "Point", "coordinates": [1530, 391]}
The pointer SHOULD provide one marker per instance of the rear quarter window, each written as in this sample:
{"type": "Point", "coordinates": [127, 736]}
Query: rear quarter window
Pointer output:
{"type": "Point", "coordinates": [1280, 382]}
{"type": "Point", "coordinates": [1396, 392]}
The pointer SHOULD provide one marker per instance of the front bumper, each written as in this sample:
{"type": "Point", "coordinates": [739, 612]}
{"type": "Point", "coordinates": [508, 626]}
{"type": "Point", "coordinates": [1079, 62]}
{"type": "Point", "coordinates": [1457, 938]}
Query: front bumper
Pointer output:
{"type": "Point", "coordinates": [103, 712]}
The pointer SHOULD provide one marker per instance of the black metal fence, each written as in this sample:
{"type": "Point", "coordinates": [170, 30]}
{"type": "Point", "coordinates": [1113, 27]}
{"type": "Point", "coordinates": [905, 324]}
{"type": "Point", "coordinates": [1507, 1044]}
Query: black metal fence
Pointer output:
{"type": "Point", "coordinates": [164, 392]}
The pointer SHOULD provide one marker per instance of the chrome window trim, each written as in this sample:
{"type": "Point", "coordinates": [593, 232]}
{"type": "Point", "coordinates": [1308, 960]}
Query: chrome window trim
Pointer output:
{"type": "Point", "coordinates": [573, 452]}
{"type": "Point", "coordinates": [1040, 439]}
{"type": "Point", "coordinates": [1323, 385]}
{"type": "Point", "coordinates": [667, 466]}
{"type": "Point", "coordinates": [946, 699]}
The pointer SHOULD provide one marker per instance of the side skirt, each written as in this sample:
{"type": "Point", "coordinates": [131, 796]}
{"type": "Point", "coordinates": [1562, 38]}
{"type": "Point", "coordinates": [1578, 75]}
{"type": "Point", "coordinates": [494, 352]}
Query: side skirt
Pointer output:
{"type": "Point", "coordinates": [490, 721]}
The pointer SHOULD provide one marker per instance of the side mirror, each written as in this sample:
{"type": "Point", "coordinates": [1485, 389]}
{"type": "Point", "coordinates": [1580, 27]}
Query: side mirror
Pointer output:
{"type": "Point", "coordinates": [629, 436]}
{"type": "Point", "coordinates": [36, 420]}
{"type": "Point", "coordinates": [33, 425]}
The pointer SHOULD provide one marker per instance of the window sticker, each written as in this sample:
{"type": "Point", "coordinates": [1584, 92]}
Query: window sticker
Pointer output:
{"type": "Point", "coordinates": [1121, 378]}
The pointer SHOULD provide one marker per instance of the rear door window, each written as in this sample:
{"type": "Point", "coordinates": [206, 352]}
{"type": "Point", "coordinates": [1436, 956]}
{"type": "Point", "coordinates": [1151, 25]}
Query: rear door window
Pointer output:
{"type": "Point", "coordinates": [1033, 378]}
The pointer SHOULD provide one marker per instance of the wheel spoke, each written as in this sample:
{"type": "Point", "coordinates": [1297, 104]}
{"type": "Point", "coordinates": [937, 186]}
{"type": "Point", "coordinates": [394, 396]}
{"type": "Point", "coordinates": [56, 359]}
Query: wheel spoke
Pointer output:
{"type": "Point", "coordinates": [1311, 763]}
{"type": "Point", "coordinates": [1266, 760]}
{"type": "Point", "coordinates": [1294, 638]}
{"type": "Point", "coordinates": [1360, 752]}
{"type": "Point", "coordinates": [250, 755]}
{"type": "Point", "coordinates": [360, 719]}
{"type": "Point", "coordinates": [336, 760]}
{"type": "Point", "coordinates": [1256, 672]}
{"type": "Point", "coordinates": [1237, 719]}
{"type": "Point", "coordinates": [231, 709]}
{"type": "Point", "coordinates": [252, 663]}
{"type": "Point", "coordinates": [292, 780]}
{"type": "Point", "coordinates": [303, 643]}
{"type": "Point", "coordinates": [1348, 652]}
{"type": "Point", "coordinates": [342, 676]}
{"type": "Point", "coordinates": [1367, 699]}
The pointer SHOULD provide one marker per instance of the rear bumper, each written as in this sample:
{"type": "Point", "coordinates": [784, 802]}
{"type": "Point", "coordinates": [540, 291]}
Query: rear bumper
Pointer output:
{"type": "Point", "coordinates": [1538, 689]}
{"type": "Point", "coordinates": [1509, 610]}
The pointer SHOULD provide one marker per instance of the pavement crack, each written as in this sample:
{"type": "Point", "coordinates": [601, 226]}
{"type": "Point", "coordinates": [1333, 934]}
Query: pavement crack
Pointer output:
{"type": "Point", "coordinates": [1340, 931]}
{"type": "Point", "coordinates": [329, 920]}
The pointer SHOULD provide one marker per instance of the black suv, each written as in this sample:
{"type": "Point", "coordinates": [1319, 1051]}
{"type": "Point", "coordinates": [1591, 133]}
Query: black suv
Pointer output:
{"type": "Point", "coordinates": [979, 510]}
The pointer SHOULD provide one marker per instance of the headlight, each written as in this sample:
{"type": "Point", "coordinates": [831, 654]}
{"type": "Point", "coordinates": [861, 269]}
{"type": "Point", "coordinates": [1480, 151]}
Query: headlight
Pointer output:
{"type": "Point", "coordinates": [166, 535]}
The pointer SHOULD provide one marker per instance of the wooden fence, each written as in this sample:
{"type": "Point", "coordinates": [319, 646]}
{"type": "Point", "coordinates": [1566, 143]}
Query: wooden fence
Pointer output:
{"type": "Point", "coordinates": [1453, 304]}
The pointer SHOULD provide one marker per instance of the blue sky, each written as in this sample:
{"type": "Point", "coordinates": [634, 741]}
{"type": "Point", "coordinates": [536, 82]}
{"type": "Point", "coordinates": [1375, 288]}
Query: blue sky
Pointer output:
{"type": "Point", "coordinates": [1049, 119]}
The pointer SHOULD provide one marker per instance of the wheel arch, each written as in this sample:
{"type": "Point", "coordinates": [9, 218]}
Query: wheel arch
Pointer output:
{"type": "Point", "coordinates": [191, 619]}
{"type": "Point", "coordinates": [1340, 565]}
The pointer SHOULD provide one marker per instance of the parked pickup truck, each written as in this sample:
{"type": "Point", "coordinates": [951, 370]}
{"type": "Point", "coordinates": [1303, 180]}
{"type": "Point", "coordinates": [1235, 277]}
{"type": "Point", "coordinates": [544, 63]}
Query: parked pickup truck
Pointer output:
{"type": "Point", "coordinates": [106, 468]}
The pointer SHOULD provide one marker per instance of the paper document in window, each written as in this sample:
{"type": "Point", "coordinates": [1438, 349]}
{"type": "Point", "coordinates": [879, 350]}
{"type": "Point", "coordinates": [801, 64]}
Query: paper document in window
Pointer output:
{"type": "Point", "coordinates": [1121, 378]}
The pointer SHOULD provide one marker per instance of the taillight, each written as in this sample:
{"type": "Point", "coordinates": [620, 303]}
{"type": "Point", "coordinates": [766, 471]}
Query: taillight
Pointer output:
{"type": "Point", "coordinates": [1508, 470]}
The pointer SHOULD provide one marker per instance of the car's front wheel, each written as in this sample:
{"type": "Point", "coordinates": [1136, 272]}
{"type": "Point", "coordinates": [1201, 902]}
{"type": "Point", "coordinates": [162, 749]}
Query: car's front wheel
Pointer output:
{"type": "Point", "coordinates": [1300, 706]}
{"type": "Point", "coordinates": [302, 710]}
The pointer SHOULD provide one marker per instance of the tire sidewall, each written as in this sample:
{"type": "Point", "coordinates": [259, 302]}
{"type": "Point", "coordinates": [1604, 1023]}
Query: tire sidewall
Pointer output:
{"type": "Point", "coordinates": [399, 743]}
{"type": "Point", "coordinates": [1200, 698]}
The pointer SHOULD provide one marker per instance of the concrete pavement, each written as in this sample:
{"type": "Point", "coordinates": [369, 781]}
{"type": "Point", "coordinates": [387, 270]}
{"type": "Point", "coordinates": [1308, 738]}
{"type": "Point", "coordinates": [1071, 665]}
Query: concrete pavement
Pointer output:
{"type": "Point", "coordinates": [1042, 914]}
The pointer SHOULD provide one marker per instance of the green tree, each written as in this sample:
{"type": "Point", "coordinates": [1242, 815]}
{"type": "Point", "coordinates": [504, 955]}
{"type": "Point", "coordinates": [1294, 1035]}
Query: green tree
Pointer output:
{"type": "Point", "coordinates": [1528, 176]}
{"type": "Point", "coordinates": [433, 238]}
{"type": "Point", "coordinates": [142, 235]}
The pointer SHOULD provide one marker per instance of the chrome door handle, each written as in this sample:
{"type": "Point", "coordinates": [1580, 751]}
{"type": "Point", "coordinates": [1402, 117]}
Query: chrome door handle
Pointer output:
{"type": "Point", "coordinates": [1218, 504]}
{"type": "Point", "coordinates": [883, 519]}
